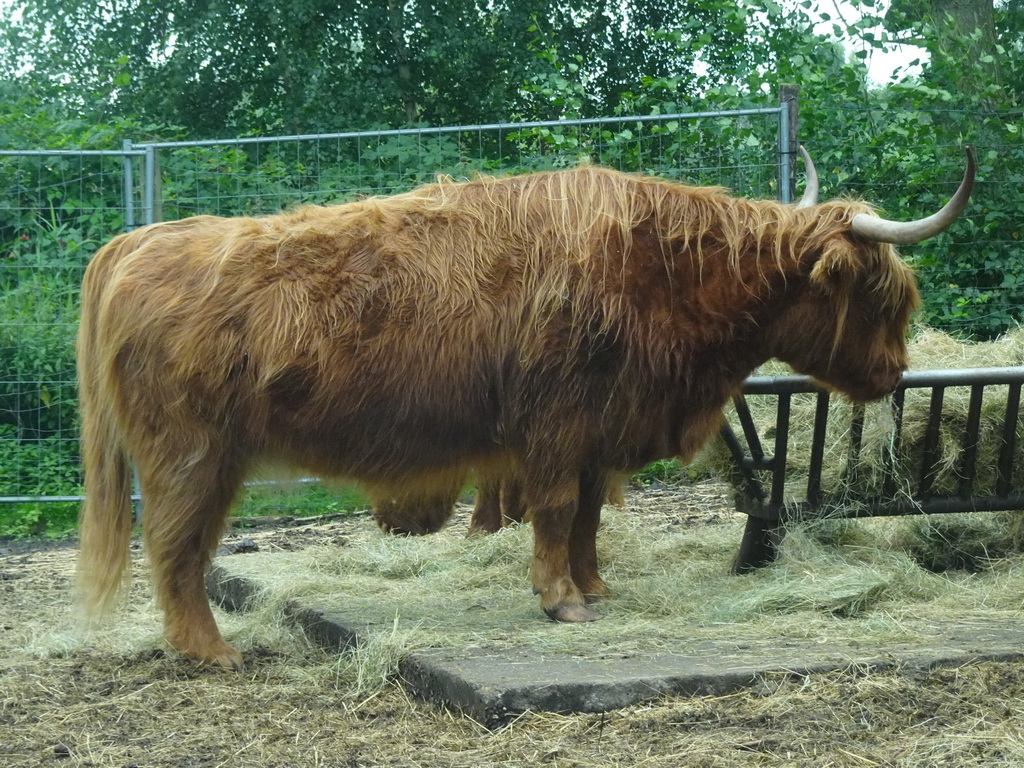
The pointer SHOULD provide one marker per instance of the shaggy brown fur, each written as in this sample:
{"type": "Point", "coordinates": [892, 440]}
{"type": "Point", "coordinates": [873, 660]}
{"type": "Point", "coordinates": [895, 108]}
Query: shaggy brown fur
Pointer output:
{"type": "Point", "coordinates": [562, 326]}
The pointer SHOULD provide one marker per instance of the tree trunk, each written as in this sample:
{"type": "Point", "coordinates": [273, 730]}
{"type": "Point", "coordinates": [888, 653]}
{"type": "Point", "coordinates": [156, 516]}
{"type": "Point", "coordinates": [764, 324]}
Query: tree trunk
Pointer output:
{"type": "Point", "coordinates": [402, 68]}
{"type": "Point", "coordinates": [967, 35]}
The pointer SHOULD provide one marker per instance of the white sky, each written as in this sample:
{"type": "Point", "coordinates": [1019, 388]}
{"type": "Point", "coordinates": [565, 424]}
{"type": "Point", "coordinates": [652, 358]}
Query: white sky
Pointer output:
{"type": "Point", "coordinates": [881, 64]}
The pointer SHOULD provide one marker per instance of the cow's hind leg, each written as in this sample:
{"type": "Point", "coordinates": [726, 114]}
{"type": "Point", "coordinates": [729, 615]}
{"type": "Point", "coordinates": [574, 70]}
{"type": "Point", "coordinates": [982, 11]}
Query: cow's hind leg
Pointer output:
{"type": "Point", "coordinates": [499, 502]}
{"type": "Point", "coordinates": [184, 514]}
{"type": "Point", "coordinates": [487, 506]}
{"type": "Point", "coordinates": [513, 504]}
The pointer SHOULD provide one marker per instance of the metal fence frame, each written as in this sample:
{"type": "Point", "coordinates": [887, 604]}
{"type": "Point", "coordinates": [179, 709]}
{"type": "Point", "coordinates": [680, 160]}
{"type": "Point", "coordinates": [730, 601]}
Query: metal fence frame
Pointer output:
{"type": "Point", "coordinates": [142, 188]}
{"type": "Point", "coordinates": [769, 511]}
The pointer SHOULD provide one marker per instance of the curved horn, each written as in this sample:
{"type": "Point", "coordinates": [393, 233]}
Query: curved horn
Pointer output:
{"type": "Point", "coordinates": [901, 233]}
{"type": "Point", "coordinates": [810, 196]}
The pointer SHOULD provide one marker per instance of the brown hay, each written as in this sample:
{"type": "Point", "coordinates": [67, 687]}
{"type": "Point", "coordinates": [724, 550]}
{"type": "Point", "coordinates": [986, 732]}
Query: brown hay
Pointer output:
{"type": "Point", "coordinates": [116, 702]}
{"type": "Point", "coordinates": [671, 582]}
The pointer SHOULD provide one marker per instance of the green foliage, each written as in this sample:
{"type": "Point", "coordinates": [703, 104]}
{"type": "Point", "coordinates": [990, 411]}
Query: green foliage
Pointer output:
{"type": "Point", "coordinates": [298, 500]}
{"type": "Point", "coordinates": [46, 466]}
{"type": "Point", "coordinates": [221, 68]}
{"type": "Point", "coordinates": [668, 471]}
{"type": "Point", "coordinates": [38, 397]}
{"type": "Point", "coordinates": [39, 276]}
{"type": "Point", "coordinates": [55, 211]}
{"type": "Point", "coordinates": [971, 277]}
{"type": "Point", "coordinates": [900, 147]}
{"type": "Point", "coordinates": [52, 520]}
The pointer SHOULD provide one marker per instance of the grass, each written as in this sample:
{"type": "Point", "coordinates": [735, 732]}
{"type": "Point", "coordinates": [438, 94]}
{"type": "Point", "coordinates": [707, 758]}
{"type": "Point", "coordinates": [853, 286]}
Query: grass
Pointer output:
{"type": "Point", "coordinates": [46, 520]}
{"type": "Point", "coordinates": [294, 499]}
{"type": "Point", "coordinates": [59, 520]}
{"type": "Point", "coordinates": [275, 500]}
{"type": "Point", "coordinates": [668, 471]}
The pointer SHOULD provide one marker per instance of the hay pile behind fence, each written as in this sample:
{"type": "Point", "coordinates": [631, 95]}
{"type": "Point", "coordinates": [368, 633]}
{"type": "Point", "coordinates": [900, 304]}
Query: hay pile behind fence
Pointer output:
{"type": "Point", "coordinates": [850, 477]}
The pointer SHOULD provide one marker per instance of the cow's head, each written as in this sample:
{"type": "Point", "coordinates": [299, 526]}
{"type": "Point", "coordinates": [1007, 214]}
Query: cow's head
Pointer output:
{"type": "Point", "coordinates": [846, 324]}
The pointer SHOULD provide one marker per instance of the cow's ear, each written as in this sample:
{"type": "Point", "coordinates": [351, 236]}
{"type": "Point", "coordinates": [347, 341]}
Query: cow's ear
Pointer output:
{"type": "Point", "coordinates": [836, 268]}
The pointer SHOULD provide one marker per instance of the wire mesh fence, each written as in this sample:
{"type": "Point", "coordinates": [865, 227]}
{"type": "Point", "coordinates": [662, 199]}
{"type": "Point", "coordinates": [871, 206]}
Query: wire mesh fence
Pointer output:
{"type": "Point", "coordinates": [60, 207]}
{"type": "Point", "coordinates": [57, 209]}
{"type": "Point", "coordinates": [254, 176]}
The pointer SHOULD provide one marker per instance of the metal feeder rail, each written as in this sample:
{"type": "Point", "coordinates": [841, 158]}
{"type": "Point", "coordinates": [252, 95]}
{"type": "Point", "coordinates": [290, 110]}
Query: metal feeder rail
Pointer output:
{"type": "Point", "coordinates": [767, 510]}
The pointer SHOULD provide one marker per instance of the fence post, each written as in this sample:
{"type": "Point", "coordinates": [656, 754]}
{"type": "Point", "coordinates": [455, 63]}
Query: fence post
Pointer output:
{"type": "Point", "coordinates": [153, 211]}
{"type": "Point", "coordinates": [151, 188]}
{"type": "Point", "coordinates": [129, 186]}
{"type": "Point", "coordinates": [789, 103]}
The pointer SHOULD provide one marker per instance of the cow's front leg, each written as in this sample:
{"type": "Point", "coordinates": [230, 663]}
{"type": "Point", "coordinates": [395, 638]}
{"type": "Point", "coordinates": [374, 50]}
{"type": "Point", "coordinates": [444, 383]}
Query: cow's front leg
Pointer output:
{"type": "Point", "coordinates": [560, 598]}
{"type": "Point", "coordinates": [583, 537]}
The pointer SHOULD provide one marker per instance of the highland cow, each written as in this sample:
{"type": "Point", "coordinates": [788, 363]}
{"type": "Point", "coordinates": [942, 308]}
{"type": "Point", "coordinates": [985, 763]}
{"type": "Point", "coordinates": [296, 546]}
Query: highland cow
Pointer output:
{"type": "Point", "coordinates": [564, 326]}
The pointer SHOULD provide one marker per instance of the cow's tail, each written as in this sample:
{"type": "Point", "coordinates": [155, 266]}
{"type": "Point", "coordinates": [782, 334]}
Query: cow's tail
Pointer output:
{"type": "Point", "coordinates": [105, 519]}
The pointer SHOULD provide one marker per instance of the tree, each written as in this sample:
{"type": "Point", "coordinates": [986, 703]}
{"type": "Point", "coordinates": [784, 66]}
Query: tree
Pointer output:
{"type": "Point", "coordinates": [963, 38]}
{"type": "Point", "coordinates": [221, 67]}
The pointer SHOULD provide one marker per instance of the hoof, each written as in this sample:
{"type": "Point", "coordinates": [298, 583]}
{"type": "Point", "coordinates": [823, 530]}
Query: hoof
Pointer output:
{"type": "Point", "coordinates": [222, 655]}
{"type": "Point", "coordinates": [572, 613]}
{"type": "Point", "coordinates": [230, 659]}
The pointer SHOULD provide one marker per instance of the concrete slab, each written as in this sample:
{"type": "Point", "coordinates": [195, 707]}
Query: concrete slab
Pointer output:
{"type": "Point", "coordinates": [493, 686]}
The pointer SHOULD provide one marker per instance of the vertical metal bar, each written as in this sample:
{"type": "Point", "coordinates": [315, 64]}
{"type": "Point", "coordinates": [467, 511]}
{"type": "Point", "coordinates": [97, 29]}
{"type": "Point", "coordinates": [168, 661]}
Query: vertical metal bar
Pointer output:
{"type": "Point", "coordinates": [931, 443]}
{"type": "Point", "coordinates": [817, 450]}
{"type": "Point", "coordinates": [891, 456]}
{"type": "Point", "coordinates": [784, 156]}
{"type": "Point", "coordinates": [129, 186]}
{"type": "Point", "coordinates": [753, 486]}
{"type": "Point", "coordinates": [969, 445]}
{"type": "Point", "coordinates": [1004, 477]}
{"type": "Point", "coordinates": [781, 449]}
{"type": "Point", "coordinates": [151, 186]}
{"type": "Point", "coordinates": [749, 429]}
{"type": "Point", "coordinates": [788, 117]}
{"type": "Point", "coordinates": [759, 545]}
{"type": "Point", "coordinates": [761, 537]}
{"type": "Point", "coordinates": [150, 215]}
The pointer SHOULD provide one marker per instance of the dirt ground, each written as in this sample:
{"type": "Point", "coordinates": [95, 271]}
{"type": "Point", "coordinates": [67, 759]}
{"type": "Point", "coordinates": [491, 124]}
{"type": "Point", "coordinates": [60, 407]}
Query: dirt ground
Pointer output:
{"type": "Point", "coordinates": [118, 699]}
